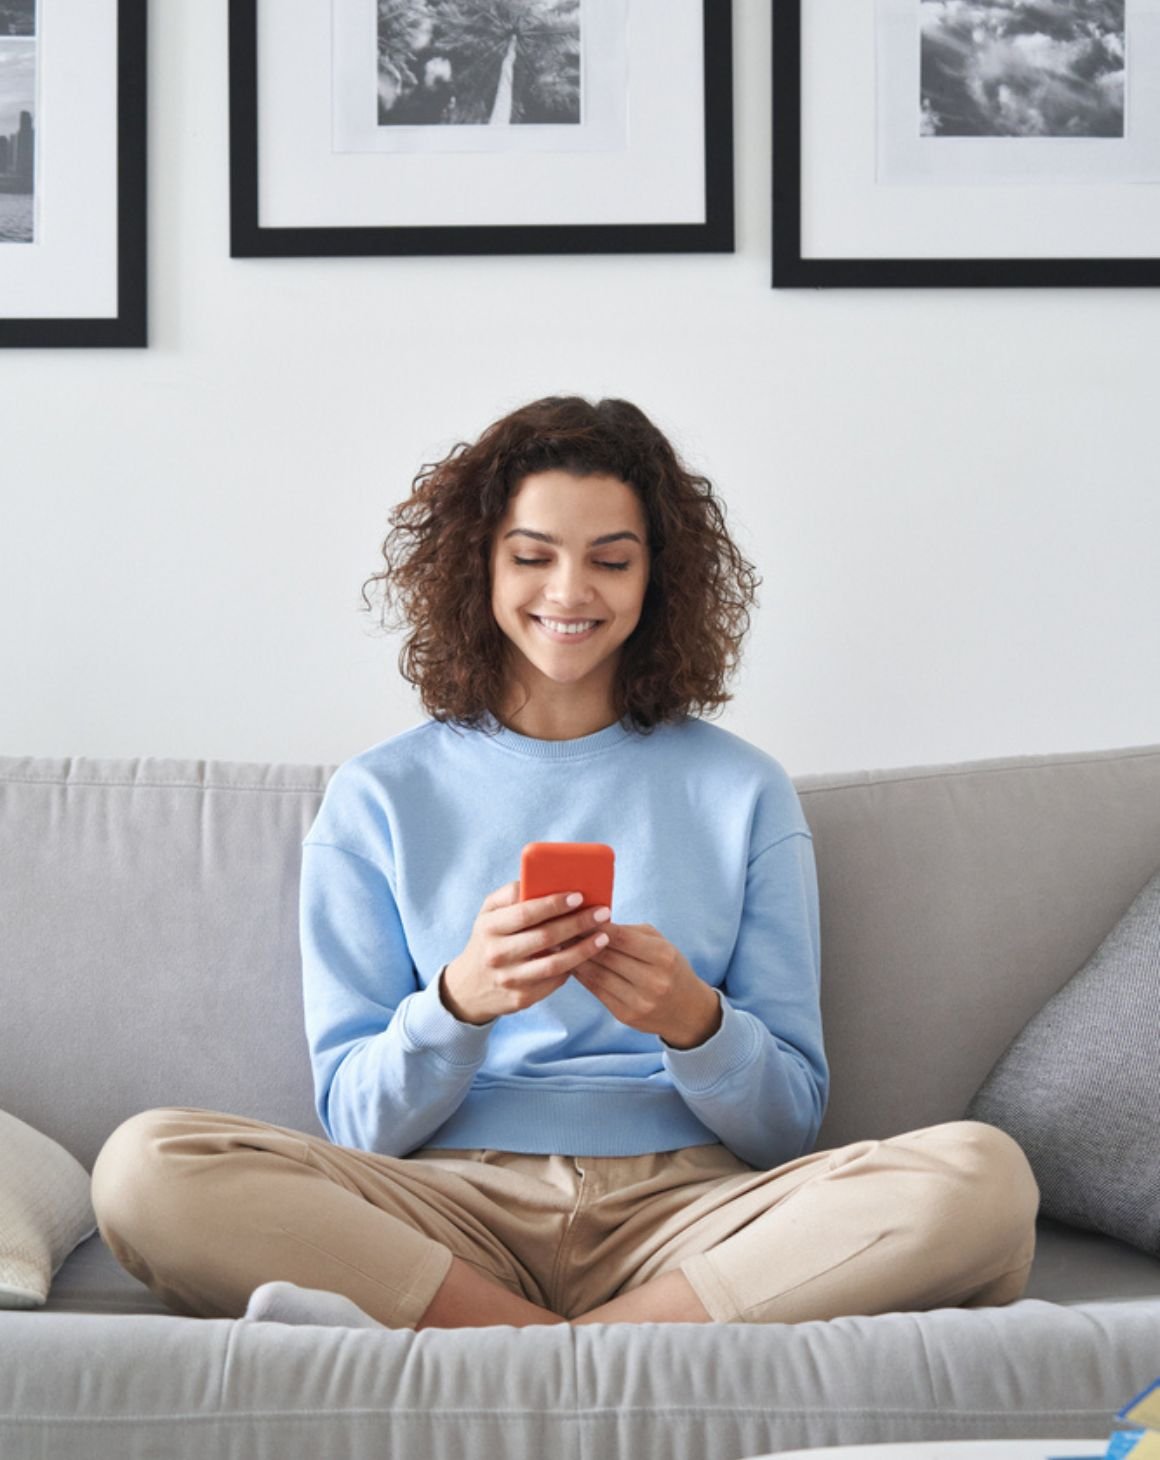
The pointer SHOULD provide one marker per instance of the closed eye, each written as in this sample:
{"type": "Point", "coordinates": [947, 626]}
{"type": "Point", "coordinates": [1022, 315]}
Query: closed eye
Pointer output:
{"type": "Point", "coordinates": [535, 563]}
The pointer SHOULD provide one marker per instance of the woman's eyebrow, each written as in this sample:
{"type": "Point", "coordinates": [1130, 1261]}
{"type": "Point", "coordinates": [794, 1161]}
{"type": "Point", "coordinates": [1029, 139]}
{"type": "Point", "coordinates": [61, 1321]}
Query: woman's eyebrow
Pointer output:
{"type": "Point", "coordinates": [556, 542]}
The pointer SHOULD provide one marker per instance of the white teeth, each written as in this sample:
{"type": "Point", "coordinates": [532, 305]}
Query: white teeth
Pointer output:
{"type": "Point", "coordinates": [563, 628]}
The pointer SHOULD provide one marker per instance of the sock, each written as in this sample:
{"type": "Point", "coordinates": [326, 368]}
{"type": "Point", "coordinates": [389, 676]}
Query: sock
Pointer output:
{"type": "Point", "coordinates": [281, 1302]}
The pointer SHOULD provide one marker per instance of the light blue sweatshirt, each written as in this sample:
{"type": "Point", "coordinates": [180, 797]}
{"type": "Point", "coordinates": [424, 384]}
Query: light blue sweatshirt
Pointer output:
{"type": "Point", "coordinates": [712, 849]}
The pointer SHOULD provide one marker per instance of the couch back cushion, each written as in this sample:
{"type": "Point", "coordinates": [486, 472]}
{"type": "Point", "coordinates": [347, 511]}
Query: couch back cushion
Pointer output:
{"type": "Point", "coordinates": [149, 929]}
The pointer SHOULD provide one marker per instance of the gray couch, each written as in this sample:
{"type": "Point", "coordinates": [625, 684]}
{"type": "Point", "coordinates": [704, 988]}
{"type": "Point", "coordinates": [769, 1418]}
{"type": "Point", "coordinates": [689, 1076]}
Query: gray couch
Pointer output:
{"type": "Point", "coordinates": [148, 911]}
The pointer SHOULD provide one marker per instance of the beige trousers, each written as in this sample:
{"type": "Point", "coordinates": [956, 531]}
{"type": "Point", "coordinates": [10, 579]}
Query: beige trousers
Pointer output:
{"type": "Point", "coordinates": [202, 1207]}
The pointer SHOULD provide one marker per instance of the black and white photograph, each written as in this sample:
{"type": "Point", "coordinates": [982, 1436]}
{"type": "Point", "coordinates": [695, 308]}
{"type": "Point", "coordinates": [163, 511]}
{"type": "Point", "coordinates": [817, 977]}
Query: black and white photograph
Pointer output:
{"type": "Point", "coordinates": [504, 77]}
{"type": "Point", "coordinates": [480, 126]}
{"type": "Point", "coordinates": [474, 63]}
{"type": "Point", "coordinates": [17, 17]}
{"type": "Point", "coordinates": [1016, 92]}
{"type": "Point", "coordinates": [1008, 68]}
{"type": "Point", "coordinates": [72, 173]}
{"type": "Point", "coordinates": [18, 114]}
{"type": "Point", "coordinates": [966, 143]}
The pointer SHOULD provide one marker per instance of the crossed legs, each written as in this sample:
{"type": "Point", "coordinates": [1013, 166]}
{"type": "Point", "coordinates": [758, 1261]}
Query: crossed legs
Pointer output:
{"type": "Point", "coordinates": [467, 1299]}
{"type": "Point", "coordinates": [934, 1217]}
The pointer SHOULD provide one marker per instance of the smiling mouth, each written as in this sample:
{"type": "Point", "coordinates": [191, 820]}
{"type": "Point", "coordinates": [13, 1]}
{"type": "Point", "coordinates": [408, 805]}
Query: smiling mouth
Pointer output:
{"type": "Point", "coordinates": [564, 636]}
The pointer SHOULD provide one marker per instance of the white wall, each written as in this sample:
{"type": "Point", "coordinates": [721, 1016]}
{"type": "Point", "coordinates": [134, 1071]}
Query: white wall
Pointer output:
{"type": "Point", "coordinates": [951, 495]}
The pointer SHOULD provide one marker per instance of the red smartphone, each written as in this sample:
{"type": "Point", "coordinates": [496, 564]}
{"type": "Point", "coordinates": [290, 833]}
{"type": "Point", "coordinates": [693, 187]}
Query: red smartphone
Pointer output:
{"type": "Point", "coordinates": [585, 867]}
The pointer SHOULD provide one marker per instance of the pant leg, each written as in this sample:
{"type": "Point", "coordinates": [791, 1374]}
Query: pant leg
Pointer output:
{"type": "Point", "coordinates": [943, 1216]}
{"type": "Point", "coordinates": [203, 1206]}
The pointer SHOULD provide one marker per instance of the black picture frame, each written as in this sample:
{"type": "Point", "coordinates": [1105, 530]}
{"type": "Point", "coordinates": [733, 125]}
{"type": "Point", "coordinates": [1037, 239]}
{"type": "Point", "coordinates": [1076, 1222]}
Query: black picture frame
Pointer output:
{"type": "Point", "coordinates": [249, 239]}
{"type": "Point", "coordinates": [792, 271]}
{"type": "Point", "coordinates": [129, 326]}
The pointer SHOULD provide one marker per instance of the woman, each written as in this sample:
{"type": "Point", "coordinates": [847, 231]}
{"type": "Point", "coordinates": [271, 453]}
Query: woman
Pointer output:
{"type": "Point", "coordinates": [535, 1113]}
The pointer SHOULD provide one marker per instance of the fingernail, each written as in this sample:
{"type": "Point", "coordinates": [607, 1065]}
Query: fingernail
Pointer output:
{"type": "Point", "coordinates": [602, 914]}
{"type": "Point", "coordinates": [575, 899]}
{"type": "Point", "coordinates": [601, 940]}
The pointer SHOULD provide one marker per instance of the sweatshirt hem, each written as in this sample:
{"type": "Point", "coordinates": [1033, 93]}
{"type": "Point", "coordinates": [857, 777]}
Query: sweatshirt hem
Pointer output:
{"type": "Point", "coordinates": [610, 1122]}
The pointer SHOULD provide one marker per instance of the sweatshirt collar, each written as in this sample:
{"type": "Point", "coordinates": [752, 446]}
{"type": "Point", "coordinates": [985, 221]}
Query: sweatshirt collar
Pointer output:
{"type": "Point", "coordinates": [594, 744]}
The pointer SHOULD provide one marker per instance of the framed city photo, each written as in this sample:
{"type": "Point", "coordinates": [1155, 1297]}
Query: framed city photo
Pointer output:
{"type": "Point", "coordinates": [72, 172]}
{"type": "Point", "coordinates": [480, 127]}
{"type": "Point", "coordinates": [966, 143]}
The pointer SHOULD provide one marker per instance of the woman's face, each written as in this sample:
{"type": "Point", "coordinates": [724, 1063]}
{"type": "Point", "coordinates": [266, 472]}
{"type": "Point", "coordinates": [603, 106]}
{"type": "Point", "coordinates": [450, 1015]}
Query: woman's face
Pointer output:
{"type": "Point", "coordinates": [574, 576]}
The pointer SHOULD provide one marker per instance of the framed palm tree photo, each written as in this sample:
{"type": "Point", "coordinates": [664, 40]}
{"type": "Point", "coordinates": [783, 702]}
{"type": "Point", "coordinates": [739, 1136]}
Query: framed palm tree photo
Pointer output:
{"type": "Point", "coordinates": [480, 127]}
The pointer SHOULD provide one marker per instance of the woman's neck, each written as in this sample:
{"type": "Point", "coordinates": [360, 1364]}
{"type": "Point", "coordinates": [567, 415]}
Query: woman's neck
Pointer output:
{"type": "Point", "coordinates": [544, 723]}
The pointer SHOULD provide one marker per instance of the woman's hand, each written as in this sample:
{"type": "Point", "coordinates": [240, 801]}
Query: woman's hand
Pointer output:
{"type": "Point", "coordinates": [650, 986]}
{"type": "Point", "coordinates": [515, 956]}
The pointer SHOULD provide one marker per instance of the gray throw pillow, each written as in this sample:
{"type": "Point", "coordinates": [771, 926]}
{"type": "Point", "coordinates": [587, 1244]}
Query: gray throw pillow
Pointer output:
{"type": "Point", "coordinates": [1079, 1087]}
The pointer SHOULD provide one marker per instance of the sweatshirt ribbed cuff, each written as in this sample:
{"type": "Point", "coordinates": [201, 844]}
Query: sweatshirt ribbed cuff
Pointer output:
{"type": "Point", "coordinates": [429, 1025]}
{"type": "Point", "coordinates": [726, 1051]}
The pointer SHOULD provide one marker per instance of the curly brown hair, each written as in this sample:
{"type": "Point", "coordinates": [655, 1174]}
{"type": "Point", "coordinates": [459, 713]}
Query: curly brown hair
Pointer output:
{"type": "Point", "coordinates": [437, 556]}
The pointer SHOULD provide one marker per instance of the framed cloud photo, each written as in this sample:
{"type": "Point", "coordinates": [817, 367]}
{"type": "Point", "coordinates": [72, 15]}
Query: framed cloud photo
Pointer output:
{"type": "Point", "coordinates": [480, 126]}
{"type": "Point", "coordinates": [966, 143]}
{"type": "Point", "coordinates": [72, 173]}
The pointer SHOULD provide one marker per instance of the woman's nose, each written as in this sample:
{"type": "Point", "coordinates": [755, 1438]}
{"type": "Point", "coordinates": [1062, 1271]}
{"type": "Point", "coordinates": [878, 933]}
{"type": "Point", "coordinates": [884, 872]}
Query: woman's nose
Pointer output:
{"type": "Point", "coordinates": [570, 585]}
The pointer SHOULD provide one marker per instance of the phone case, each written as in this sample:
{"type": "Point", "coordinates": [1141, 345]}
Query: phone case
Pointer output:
{"type": "Point", "coordinates": [585, 867]}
